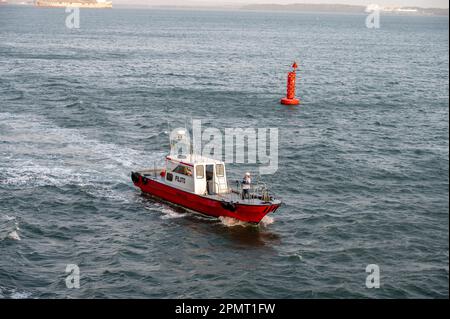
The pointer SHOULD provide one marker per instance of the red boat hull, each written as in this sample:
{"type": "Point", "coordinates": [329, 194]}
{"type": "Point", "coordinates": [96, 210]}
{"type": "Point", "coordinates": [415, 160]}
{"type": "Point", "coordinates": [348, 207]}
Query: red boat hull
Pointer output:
{"type": "Point", "coordinates": [206, 206]}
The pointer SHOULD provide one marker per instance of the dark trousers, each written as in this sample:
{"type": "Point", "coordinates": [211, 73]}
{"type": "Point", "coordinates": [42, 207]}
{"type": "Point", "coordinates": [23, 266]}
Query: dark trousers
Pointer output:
{"type": "Point", "coordinates": [245, 193]}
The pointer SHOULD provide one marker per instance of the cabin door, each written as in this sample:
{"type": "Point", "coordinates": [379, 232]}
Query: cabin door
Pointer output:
{"type": "Point", "coordinates": [210, 179]}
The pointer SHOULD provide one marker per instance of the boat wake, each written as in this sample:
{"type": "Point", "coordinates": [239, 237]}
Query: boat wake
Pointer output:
{"type": "Point", "coordinates": [233, 222]}
{"type": "Point", "coordinates": [171, 214]}
{"type": "Point", "coordinates": [267, 220]}
{"type": "Point", "coordinates": [63, 156]}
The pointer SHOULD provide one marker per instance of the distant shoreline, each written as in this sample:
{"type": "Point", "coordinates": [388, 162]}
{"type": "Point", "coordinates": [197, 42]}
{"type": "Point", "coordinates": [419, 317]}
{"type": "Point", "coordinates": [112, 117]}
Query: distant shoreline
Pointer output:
{"type": "Point", "coordinates": [74, 3]}
{"type": "Point", "coordinates": [342, 8]}
{"type": "Point", "coordinates": [293, 8]}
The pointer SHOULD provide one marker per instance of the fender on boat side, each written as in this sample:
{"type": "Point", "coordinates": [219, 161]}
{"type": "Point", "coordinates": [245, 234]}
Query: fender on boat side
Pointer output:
{"type": "Point", "coordinates": [135, 177]}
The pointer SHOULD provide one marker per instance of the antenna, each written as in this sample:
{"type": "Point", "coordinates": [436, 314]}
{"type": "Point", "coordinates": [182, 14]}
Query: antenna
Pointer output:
{"type": "Point", "coordinates": [186, 131]}
{"type": "Point", "coordinates": [170, 140]}
{"type": "Point", "coordinates": [192, 141]}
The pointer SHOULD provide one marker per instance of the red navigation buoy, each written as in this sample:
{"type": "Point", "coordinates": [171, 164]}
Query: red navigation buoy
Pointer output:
{"type": "Point", "coordinates": [290, 96]}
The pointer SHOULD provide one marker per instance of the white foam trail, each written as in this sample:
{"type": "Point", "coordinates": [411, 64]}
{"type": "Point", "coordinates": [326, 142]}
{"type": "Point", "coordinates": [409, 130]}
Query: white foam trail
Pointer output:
{"type": "Point", "coordinates": [67, 156]}
{"type": "Point", "coordinates": [170, 214]}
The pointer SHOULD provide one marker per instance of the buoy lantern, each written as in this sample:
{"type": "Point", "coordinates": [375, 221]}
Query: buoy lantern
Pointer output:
{"type": "Point", "coordinates": [290, 96]}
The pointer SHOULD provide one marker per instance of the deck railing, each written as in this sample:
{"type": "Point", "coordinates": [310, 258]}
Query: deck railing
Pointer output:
{"type": "Point", "coordinates": [258, 190]}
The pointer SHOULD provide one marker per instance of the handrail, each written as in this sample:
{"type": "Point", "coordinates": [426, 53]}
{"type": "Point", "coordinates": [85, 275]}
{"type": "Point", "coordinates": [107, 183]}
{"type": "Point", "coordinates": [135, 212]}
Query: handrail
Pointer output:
{"type": "Point", "coordinates": [257, 190]}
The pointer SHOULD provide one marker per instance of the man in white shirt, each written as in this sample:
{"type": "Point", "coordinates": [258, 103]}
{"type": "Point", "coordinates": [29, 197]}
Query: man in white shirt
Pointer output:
{"type": "Point", "coordinates": [246, 185]}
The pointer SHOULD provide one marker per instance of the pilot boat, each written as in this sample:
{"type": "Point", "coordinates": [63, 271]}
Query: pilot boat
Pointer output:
{"type": "Point", "coordinates": [199, 184]}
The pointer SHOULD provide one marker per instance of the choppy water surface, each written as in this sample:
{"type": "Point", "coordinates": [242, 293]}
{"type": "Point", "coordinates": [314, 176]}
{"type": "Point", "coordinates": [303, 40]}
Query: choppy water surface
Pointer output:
{"type": "Point", "coordinates": [363, 162]}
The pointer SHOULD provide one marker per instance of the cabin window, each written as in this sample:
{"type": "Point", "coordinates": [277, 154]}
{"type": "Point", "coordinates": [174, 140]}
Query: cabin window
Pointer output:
{"type": "Point", "coordinates": [219, 170]}
{"type": "Point", "coordinates": [169, 177]}
{"type": "Point", "coordinates": [199, 171]}
{"type": "Point", "coordinates": [183, 170]}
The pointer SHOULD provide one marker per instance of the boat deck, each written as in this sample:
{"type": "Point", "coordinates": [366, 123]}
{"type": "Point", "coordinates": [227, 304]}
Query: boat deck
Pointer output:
{"type": "Point", "coordinates": [235, 198]}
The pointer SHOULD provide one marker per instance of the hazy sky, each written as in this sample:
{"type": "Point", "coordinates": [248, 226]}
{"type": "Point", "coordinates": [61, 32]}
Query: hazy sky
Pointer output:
{"type": "Point", "coordinates": [419, 3]}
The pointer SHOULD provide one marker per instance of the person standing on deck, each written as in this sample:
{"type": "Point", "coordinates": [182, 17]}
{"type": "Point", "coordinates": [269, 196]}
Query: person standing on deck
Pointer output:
{"type": "Point", "coordinates": [246, 184]}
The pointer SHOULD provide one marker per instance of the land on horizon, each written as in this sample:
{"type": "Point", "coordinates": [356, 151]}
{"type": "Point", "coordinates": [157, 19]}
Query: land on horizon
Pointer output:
{"type": "Point", "coordinates": [296, 7]}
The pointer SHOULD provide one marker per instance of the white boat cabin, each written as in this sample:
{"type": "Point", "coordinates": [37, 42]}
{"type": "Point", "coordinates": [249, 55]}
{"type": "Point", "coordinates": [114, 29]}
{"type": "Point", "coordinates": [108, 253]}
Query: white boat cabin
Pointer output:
{"type": "Point", "coordinates": [196, 174]}
{"type": "Point", "coordinates": [191, 172]}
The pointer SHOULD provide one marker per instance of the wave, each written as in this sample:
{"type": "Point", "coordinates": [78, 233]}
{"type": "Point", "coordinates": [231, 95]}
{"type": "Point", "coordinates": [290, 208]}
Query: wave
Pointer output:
{"type": "Point", "coordinates": [16, 96]}
{"type": "Point", "coordinates": [9, 228]}
{"type": "Point", "coordinates": [13, 293]}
